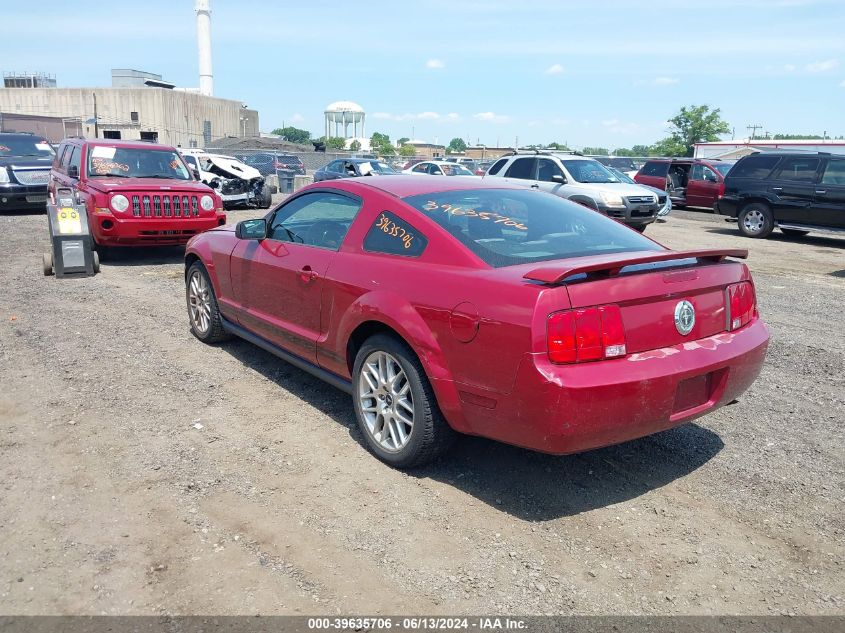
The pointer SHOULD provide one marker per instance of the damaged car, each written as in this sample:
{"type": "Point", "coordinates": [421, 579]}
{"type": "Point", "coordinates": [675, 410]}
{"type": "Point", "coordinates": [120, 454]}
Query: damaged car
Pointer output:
{"type": "Point", "coordinates": [238, 184]}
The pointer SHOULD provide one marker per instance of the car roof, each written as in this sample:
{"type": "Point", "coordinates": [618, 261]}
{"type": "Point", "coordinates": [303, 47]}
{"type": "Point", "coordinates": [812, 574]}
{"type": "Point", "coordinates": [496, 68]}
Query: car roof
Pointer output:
{"type": "Point", "coordinates": [107, 142]}
{"type": "Point", "coordinates": [689, 160]}
{"type": "Point", "coordinates": [402, 186]}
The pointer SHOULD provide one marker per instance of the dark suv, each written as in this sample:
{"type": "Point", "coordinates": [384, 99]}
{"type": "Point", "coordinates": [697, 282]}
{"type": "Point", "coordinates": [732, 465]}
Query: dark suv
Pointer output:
{"type": "Point", "coordinates": [25, 161]}
{"type": "Point", "coordinates": [796, 192]}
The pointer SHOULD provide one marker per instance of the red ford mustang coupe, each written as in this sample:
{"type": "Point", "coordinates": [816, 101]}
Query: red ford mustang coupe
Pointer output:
{"type": "Point", "coordinates": [442, 305]}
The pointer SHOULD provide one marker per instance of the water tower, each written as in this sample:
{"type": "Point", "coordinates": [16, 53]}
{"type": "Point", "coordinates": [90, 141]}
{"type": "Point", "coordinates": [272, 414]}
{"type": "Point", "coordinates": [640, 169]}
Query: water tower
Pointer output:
{"type": "Point", "coordinates": [343, 114]}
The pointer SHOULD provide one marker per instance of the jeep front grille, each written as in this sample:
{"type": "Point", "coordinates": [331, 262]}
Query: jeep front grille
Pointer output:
{"type": "Point", "coordinates": [166, 205]}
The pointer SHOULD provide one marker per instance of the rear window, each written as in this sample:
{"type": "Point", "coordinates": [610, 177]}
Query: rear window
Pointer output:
{"type": "Point", "coordinates": [505, 227]}
{"type": "Point", "coordinates": [757, 167]}
{"type": "Point", "coordinates": [655, 169]}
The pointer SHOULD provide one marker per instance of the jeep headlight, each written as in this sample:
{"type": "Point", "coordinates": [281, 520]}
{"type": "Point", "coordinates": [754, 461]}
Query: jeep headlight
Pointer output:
{"type": "Point", "coordinates": [612, 199]}
{"type": "Point", "coordinates": [119, 203]}
{"type": "Point", "coordinates": [207, 203]}
{"type": "Point", "coordinates": [4, 175]}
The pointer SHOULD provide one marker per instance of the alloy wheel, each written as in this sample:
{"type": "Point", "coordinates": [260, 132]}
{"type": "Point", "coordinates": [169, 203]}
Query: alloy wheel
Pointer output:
{"type": "Point", "coordinates": [386, 401]}
{"type": "Point", "coordinates": [754, 221]}
{"type": "Point", "coordinates": [199, 301]}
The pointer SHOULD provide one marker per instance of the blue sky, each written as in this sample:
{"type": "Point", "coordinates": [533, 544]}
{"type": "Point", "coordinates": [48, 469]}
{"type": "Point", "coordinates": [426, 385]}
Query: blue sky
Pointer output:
{"type": "Point", "coordinates": [606, 73]}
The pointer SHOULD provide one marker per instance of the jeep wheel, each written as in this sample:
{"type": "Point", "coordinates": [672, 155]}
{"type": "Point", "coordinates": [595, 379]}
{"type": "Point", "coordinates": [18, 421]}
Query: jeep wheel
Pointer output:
{"type": "Point", "coordinates": [395, 405]}
{"type": "Point", "coordinates": [756, 220]}
{"type": "Point", "coordinates": [203, 312]}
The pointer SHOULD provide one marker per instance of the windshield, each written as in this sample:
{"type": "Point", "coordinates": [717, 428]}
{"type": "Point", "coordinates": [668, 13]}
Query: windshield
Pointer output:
{"type": "Point", "coordinates": [506, 227]}
{"type": "Point", "coordinates": [621, 175]}
{"type": "Point", "coordinates": [25, 146]}
{"type": "Point", "coordinates": [454, 169]}
{"type": "Point", "coordinates": [588, 171]}
{"type": "Point", "coordinates": [723, 168]}
{"type": "Point", "coordinates": [135, 163]}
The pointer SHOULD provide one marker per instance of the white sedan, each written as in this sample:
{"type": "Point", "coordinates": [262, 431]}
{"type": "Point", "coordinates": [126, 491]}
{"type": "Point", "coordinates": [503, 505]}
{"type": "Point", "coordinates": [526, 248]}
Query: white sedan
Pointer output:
{"type": "Point", "coordinates": [439, 168]}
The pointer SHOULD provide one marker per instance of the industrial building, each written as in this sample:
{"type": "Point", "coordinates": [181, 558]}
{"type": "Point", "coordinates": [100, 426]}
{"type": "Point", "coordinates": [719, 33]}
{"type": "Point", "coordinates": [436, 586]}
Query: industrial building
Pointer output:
{"type": "Point", "coordinates": [139, 105]}
{"type": "Point", "coordinates": [740, 148]}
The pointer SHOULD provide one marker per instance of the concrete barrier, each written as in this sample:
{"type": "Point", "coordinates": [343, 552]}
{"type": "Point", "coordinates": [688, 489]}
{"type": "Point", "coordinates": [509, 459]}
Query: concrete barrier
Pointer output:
{"type": "Point", "coordinates": [300, 181]}
{"type": "Point", "coordinates": [272, 181]}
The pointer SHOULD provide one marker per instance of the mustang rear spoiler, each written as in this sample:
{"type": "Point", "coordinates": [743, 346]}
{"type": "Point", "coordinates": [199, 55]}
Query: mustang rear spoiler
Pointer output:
{"type": "Point", "coordinates": [611, 264]}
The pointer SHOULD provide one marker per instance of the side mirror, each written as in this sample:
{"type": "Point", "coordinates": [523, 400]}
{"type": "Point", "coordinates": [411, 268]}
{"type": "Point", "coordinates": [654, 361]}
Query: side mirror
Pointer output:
{"type": "Point", "coordinates": [559, 178]}
{"type": "Point", "coordinates": [73, 171]}
{"type": "Point", "coordinates": [710, 178]}
{"type": "Point", "coordinates": [251, 229]}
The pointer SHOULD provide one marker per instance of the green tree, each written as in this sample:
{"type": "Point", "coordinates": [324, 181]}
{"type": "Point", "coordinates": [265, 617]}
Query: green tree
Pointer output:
{"type": "Point", "coordinates": [355, 145]}
{"type": "Point", "coordinates": [623, 151]}
{"type": "Point", "coordinates": [595, 151]}
{"type": "Point", "coordinates": [697, 124]}
{"type": "Point", "coordinates": [403, 140]}
{"type": "Point", "coordinates": [558, 146]}
{"type": "Point", "coordinates": [380, 143]}
{"type": "Point", "coordinates": [407, 150]}
{"type": "Point", "coordinates": [294, 134]}
{"type": "Point", "coordinates": [669, 147]}
{"type": "Point", "coordinates": [335, 142]}
{"type": "Point", "coordinates": [456, 145]}
{"type": "Point", "coordinates": [639, 150]}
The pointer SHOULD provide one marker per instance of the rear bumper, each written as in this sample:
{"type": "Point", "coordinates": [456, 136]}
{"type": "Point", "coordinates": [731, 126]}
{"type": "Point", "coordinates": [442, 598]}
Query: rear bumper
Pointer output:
{"type": "Point", "coordinates": [728, 206]}
{"type": "Point", "coordinates": [110, 230]}
{"type": "Point", "coordinates": [571, 408]}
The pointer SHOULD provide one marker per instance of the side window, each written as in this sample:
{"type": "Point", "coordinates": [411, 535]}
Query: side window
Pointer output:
{"type": "Point", "coordinates": [57, 161]}
{"type": "Point", "coordinates": [497, 166]}
{"type": "Point", "coordinates": [435, 170]}
{"type": "Point", "coordinates": [834, 173]}
{"type": "Point", "coordinates": [655, 169]}
{"type": "Point", "coordinates": [392, 235]}
{"type": "Point", "coordinates": [546, 169]}
{"type": "Point", "coordinates": [697, 172]}
{"type": "Point", "coordinates": [75, 157]}
{"type": "Point", "coordinates": [334, 167]}
{"type": "Point", "coordinates": [319, 219]}
{"type": "Point", "coordinates": [66, 157]}
{"type": "Point", "coordinates": [191, 161]}
{"type": "Point", "coordinates": [708, 174]}
{"type": "Point", "coordinates": [754, 167]}
{"type": "Point", "coordinates": [521, 168]}
{"type": "Point", "coordinates": [421, 168]}
{"type": "Point", "coordinates": [799, 169]}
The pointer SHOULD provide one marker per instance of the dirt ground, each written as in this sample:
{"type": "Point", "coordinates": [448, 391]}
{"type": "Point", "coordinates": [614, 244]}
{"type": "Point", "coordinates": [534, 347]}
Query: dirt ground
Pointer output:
{"type": "Point", "coordinates": [142, 472]}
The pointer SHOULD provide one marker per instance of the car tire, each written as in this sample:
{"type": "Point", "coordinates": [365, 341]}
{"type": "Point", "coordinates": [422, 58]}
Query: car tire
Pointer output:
{"type": "Point", "coordinates": [47, 264]}
{"type": "Point", "coordinates": [390, 387]}
{"type": "Point", "coordinates": [203, 311]}
{"type": "Point", "coordinates": [794, 232]}
{"type": "Point", "coordinates": [265, 200]}
{"type": "Point", "coordinates": [95, 262]}
{"type": "Point", "coordinates": [756, 220]}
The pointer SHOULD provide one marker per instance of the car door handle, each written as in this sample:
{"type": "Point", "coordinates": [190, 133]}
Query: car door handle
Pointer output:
{"type": "Point", "coordinates": [535, 186]}
{"type": "Point", "coordinates": [821, 192]}
{"type": "Point", "coordinates": [307, 275]}
{"type": "Point", "coordinates": [777, 188]}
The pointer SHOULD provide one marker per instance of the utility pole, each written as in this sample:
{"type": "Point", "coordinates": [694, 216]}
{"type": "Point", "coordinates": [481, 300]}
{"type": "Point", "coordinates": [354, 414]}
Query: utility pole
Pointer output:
{"type": "Point", "coordinates": [96, 126]}
{"type": "Point", "coordinates": [753, 129]}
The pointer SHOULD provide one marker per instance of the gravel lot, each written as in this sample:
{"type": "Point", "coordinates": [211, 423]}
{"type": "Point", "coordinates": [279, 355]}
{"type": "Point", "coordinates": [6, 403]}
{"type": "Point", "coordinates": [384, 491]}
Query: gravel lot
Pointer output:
{"type": "Point", "coordinates": [142, 472]}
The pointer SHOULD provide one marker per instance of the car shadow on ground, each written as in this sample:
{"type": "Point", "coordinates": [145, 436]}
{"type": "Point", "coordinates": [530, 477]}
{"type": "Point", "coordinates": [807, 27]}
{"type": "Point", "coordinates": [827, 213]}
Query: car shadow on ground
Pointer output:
{"type": "Point", "coordinates": [813, 239]}
{"type": "Point", "coordinates": [528, 485]}
{"type": "Point", "coordinates": [147, 256]}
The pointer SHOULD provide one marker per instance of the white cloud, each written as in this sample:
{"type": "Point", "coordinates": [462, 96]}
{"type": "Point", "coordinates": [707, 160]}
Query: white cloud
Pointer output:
{"type": "Point", "coordinates": [789, 68]}
{"type": "Point", "coordinates": [297, 118]}
{"type": "Point", "coordinates": [435, 64]}
{"type": "Point", "coordinates": [453, 116]}
{"type": "Point", "coordinates": [620, 127]}
{"type": "Point", "coordinates": [492, 117]}
{"type": "Point", "coordinates": [554, 69]}
{"type": "Point", "coordinates": [823, 66]}
{"type": "Point", "coordinates": [842, 84]}
{"type": "Point", "coordinates": [665, 81]}
{"type": "Point", "coordinates": [417, 116]}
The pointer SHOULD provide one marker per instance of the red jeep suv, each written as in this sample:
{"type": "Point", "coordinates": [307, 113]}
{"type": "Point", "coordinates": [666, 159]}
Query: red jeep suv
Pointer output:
{"type": "Point", "coordinates": [136, 193]}
{"type": "Point", "coordinates": [690, 182]}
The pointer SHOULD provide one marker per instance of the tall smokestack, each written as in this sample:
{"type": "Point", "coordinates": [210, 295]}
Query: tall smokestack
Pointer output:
{"type": "Point", "coordinates": [204, 46]}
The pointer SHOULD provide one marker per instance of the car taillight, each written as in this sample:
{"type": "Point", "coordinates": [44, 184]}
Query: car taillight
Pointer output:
{"type": "Point", "coordinates": [576, 336]}
{"type": "Point", "coordinates": [742, 304]}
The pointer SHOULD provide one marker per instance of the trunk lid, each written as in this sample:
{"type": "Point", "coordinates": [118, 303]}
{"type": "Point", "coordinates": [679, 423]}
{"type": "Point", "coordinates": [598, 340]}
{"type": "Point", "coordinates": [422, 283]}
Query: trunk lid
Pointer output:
{"type": "Point", "coordinates": [648, 287]}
